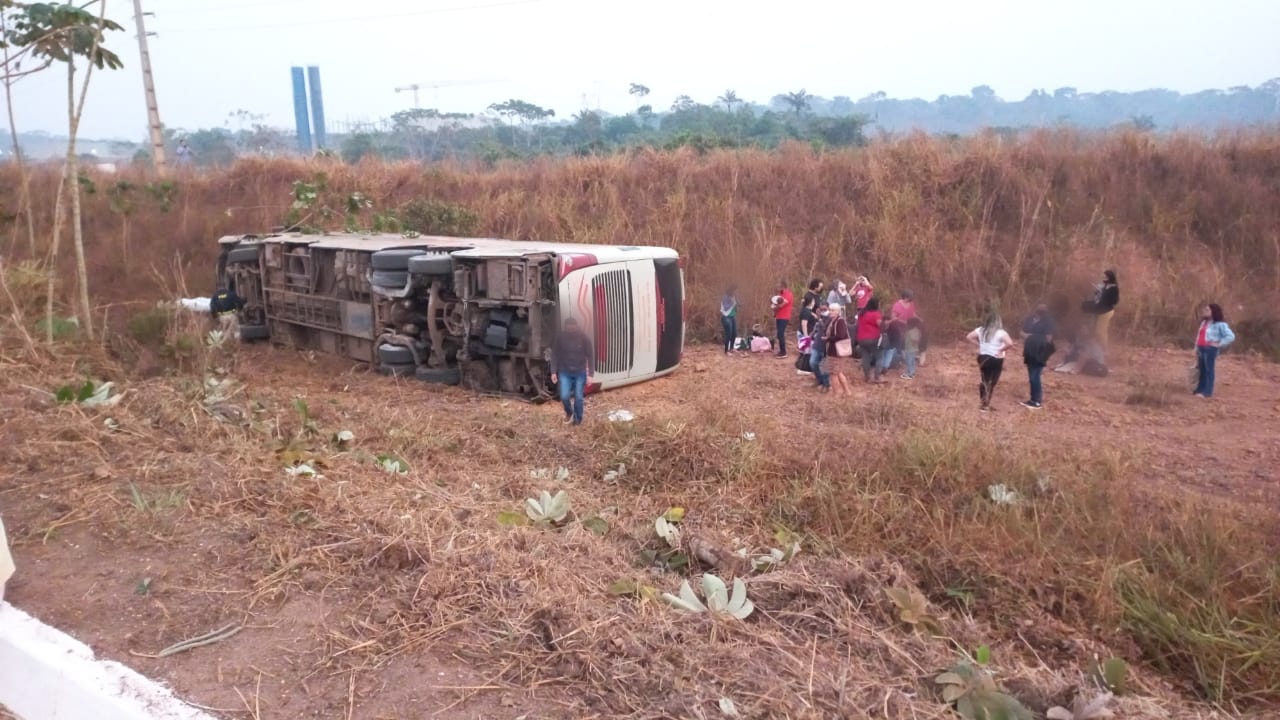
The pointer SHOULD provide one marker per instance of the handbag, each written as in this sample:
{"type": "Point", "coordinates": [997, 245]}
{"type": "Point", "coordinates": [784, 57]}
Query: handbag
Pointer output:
{"type": "Point", "coordinates": [844, 348]}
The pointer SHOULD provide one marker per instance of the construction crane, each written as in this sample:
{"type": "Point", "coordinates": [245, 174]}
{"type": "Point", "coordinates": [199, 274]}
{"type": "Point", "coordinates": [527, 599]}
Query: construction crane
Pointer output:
{"type": "Point", "coordinates": [415, 87]}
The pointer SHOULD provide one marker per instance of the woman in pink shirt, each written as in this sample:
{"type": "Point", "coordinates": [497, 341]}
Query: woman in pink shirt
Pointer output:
{"type": "Point", "coordinates": [861, 292]}
{"type": "Point", "coordinates": [905, 308]}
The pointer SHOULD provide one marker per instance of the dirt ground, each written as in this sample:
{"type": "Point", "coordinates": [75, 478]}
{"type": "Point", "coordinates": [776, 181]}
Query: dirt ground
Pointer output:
{"type": "Point", "coordinates": [162, 527]}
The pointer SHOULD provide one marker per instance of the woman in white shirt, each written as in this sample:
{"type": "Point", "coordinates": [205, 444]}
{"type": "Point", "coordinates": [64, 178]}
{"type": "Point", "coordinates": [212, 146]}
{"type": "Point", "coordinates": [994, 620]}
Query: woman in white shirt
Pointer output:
{"type": "Point", "coordinates": [992, 342]}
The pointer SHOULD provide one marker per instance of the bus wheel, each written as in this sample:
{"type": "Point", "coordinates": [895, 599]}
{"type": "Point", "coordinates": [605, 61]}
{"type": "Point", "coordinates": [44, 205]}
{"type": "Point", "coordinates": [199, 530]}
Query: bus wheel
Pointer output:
{"type": "Point", "coordinates": [398, 370]}
{"type": "Point", "coordinates": [395, 259]}
{"type": "Point", "coordinates": [243, 255]}
{"type": "Point", "coordinates": [395, 355]}
{"type": "Point", "coordinates": [442, 376]}
{"type": "Point", "coordinates": [390, 278]}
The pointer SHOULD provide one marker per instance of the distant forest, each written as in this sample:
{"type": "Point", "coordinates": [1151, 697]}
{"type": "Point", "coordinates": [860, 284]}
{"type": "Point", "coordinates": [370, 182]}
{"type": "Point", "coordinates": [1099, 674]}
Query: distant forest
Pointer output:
{"type": "Point", "coordinates": [516, 128]}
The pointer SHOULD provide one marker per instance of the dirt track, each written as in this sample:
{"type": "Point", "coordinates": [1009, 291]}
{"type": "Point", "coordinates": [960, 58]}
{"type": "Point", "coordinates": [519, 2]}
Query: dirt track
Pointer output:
{"type": "Point", "coordinates": [133, 573]}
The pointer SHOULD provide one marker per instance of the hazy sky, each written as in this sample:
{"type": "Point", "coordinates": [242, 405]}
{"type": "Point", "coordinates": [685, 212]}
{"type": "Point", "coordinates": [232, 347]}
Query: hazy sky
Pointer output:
{"type": "Point", "coordinates": [213, 57]}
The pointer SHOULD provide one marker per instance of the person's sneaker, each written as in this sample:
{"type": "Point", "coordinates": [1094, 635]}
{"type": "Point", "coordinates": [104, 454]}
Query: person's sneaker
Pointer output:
{"type": "Point", "coordinates": [908, 377]}
{"type": "Point", "coordinates": [1031, 405]}
{"type": "Point", "coordinates": [568, 419]}
{"type": "Point", "coordinates": [985, 408]}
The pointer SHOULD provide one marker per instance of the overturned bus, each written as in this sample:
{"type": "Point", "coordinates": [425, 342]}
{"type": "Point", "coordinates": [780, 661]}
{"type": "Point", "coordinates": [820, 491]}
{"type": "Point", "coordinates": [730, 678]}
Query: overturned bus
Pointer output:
{"type": "Point", "coordinates": [476, 312]}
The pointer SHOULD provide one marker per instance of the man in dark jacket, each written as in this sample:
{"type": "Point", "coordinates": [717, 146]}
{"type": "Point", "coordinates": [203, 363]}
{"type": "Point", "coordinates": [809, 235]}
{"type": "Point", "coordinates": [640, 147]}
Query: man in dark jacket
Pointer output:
{"type": "Point", "coordinates": [1037, 348]}
{"type": "Point", "coordinates": [571, 367]}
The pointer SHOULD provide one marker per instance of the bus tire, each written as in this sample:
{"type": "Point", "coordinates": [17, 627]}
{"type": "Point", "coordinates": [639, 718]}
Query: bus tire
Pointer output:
{"type": "Point", "coordinates": [243, 256]}
{"type": "Point", "coordinates": [438, 264]}
{"type": "Point", "coordinates": [249, 333]}
{"type": "Point", "coordinates": [441, 376]}
{"type": "Point", "coordinates": [389, 278]}
{"type": "Point", "coordinates": [396, 370]}
{"type": "Point", "coordinates": [393, 259]}
{"type": "Point", "coordinates": [394, 355]}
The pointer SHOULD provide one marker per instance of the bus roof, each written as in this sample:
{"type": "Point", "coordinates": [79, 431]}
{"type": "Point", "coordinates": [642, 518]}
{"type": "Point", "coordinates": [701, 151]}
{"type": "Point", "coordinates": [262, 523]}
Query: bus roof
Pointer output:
{"type": "Point", "coordinates": [472, 246]}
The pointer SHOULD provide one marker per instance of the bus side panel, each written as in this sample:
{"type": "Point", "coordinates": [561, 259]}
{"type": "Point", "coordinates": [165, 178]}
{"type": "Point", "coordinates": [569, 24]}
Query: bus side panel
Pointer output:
{"type": "Point", "coordinates": [670, 312]}
{"type": "Point", "coordinates": [644, 303]}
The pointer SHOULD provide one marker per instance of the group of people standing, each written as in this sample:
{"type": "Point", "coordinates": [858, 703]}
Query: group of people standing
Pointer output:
{"type": "Point", "coordinates": [839, 327]}
{"type": "Point", "coordinates": [847, 324]}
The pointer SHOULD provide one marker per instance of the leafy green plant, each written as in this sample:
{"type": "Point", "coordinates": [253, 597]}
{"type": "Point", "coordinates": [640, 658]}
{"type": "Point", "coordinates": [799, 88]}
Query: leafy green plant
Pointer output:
{"type": "Point", "coordinates": [392, 465]}
{"type": "Point", "coordinates": [434, 217]}
{"type": "Point", "coordinates": [717, 598]}
{"type": "Point", "coordinates": [1001, 494]}
{"type": "Point", "coordinates": [667, 531]}
{"type": "Point", "coordinates": [1083, 709]}
{"type": "Point", "coordinates": [913, 609]}
{"type": "Point", "coordinates": [982, 654]}
{"type": "Point", "coordinates": [219, 390]}
{"type": "Point", "coordinates": [560, 474]}
{"type": "Point", "coordinates": [962, 595]}
{"type": "Point", "coordinates": [215, 339]}
{"type": "Point", "coordinates": [548, 508]}
{"type": "Point", "coordinates": [89, 394]}
{"type": "Point", "coordinates": [150, 326]}
{"type": "Point", "coordinates": [1113, 675]}
{"type": "Point", "coordinates": [626, 586]}
{"type": "Point", "coordinates": [596, 524]}
{"type": "Point", "coordinates": [772, 559]}
{"type": "Point", "coordinates": [976, 696]}
{"type": "Point", "coordinates": [62, 327]}
{"type": "Point", "coordinates": [305, 424]}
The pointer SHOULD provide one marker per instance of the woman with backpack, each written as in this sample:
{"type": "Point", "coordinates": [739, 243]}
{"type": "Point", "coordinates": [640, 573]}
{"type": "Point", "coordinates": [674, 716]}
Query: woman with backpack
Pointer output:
{"type": "Point", "coordinates": [1214, 335]}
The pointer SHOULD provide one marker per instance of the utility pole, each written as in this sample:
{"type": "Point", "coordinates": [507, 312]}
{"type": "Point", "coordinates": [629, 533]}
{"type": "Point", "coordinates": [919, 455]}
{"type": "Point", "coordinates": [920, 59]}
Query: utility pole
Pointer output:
{"type": "Point", "coordinates": [149, 86]}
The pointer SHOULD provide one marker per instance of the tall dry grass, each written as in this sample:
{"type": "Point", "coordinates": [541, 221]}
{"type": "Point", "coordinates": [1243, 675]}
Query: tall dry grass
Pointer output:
{"type": "Point", "coordinates": [962, 222]}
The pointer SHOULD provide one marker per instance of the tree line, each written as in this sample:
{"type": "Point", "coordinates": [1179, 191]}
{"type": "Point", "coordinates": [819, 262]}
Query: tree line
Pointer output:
{"type": "Point", "coordinates": [516, 127]}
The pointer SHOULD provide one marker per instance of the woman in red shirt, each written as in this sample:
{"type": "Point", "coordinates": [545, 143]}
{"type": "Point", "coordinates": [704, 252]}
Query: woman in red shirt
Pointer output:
{"type": "Point", "coordinates": [867, 336]}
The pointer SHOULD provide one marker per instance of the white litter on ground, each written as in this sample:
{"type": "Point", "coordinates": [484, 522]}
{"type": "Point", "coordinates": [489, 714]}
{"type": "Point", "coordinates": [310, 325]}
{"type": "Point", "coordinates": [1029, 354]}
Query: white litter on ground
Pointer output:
{"type": "Point", "coordinates": [199, 304]}
{"type": "Point", "coordinates": [46, 674]}
{"type": "Point", "coordinates": [621, 416]}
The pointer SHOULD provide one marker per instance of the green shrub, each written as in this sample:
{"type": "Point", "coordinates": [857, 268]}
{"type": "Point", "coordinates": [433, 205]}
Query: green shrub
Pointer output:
{"type": "Point", "coordinates": [150, 327]}
{"type": "Point", "coordinates": [434, 217]}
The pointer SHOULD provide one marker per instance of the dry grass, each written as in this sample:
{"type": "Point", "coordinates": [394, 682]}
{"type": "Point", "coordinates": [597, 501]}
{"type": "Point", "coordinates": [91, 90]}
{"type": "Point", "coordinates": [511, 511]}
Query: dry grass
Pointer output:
{"type": "Point", "coordinates": [961, 222]}
{"type": "Point", "coordinates": [420, 564]}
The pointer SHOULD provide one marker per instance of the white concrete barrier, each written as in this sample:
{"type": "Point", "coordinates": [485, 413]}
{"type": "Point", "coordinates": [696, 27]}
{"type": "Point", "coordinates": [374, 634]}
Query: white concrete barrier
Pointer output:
{"type": "Point", "coordinates": [46, 674]}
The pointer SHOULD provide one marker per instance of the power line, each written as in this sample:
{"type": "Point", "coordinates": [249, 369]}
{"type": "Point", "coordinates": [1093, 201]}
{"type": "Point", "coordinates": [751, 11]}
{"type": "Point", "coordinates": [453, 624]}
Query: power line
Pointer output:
{"type": "Point", "coordinates": [365, 18]}
{"type": "Point", "coordinates": [239, 6]}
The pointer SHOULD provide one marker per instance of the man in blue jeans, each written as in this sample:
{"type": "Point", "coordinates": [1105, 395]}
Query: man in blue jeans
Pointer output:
{"type": "Point", "coordinates": [1037, 348]}
{"type": "Point", "coordinates": [571, 368]}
